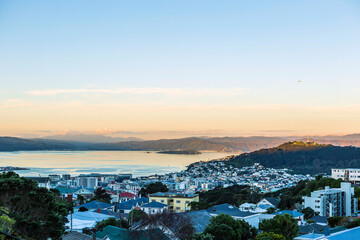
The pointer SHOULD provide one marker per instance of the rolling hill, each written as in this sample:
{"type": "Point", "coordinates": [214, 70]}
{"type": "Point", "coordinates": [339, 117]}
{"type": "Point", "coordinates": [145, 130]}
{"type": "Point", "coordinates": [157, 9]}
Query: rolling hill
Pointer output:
{"type": "Point", "coordinates": [306, 158]}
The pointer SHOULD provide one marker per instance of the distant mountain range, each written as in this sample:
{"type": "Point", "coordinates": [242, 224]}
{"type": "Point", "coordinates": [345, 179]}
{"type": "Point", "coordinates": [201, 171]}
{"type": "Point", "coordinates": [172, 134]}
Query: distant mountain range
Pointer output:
{"type": "Point", "coordinates": [91, 138]}
{"type": "Point", "coordinates": [306, 158]}
{"type": "Point", "coordinates": [218, 144]}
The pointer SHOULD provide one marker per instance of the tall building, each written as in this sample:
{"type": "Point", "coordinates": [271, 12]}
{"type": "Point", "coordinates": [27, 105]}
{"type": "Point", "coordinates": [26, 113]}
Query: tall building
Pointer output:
{"type": "Point", "coordinates": [66, 177]}
{"type": "Point", "coordinates": [90, 182]}
{"type": "Point", "coordinates": [332, 202]}
{"type": "Point", "coordinates": [348, 174]}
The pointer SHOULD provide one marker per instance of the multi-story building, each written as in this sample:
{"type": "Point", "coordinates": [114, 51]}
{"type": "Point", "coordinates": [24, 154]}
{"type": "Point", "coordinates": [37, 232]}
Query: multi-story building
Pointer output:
{"type": "Point", "coordinates": [179, 202]}
{"type": "Point", "coordinates": [348, 174]}
{"type": "Point", "coordinates": [90, 182]}
{"type": "Point", "coordinates": [332, 202]}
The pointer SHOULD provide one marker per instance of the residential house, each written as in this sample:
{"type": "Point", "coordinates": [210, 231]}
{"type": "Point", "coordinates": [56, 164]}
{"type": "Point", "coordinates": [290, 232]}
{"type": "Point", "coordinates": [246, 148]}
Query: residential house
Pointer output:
{"type": "Point", "coordinates": [43, 182]}
{"type": "Point", "coordinates": [199, 219]}
{"type": "Point", "coordinates": [127, 206]}
{"type": "Point", "coordinates": [295, 214]}
{"type": "Point", "coordinates": [85, 192]}
{"type": "Point", "coordinates": [126, 196]}
{"type": "Point", "coordinates": [154, 207]}
{"type": "Point", "coordinates": [66, 193]}
{"type": "Point", "coordinates": [347, 234]}
{"type": "Point", "coordinates": [179, 202]}
{"type": "Point", "coordinates": [116, 233]}
{"type": "Point", "coordinates": [228, 209]}
{"type": "Point", "coordinates": [247, 207]}
{"type": "Point", "coordinates": [270, 201]}
{"type": "Point", "coordinates": [94, 205]}
{"type": "Point", "coordinates": [321, 220]}
{"type": "Point", "coordinates": [80, 220]}
{"type": "Point", "coordinates": [74, 235]}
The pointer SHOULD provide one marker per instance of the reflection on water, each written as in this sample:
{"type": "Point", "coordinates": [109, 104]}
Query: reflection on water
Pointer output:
{"type": "Point", "coordinates": [138, 163]}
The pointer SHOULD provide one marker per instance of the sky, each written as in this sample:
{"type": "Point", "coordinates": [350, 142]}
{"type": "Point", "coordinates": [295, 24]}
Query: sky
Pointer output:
{"type": "Point", "coordinates": [169, 69]}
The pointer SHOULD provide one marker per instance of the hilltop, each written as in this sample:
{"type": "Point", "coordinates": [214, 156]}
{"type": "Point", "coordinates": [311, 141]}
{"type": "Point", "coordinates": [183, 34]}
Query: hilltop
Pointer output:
{"type": "Point", "coordinates": [301, 157]}
{"type": "Point", "coordinates": [20, 144]}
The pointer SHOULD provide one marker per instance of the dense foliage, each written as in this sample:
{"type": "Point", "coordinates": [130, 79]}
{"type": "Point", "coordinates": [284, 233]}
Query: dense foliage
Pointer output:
{"type": "Point", "coordinates": [284, 225]}
{"type": "Point", "coordinates": [235, 195]}
{"type": "Point", "coordinates": [153, 188]}
{"type": "Point", "coordinates": [308, 213]}
{"type": "Point", "coordinates": [224, 227]}
{"type": "Point", "coordinates": [270, 236]}
{"type": "Point", "coordinates": [290, 196]}
{"type": "Point", "coordinates": [136, 215]}
{"type": "Point", "coordinates": [38, 213]}
{"type": "Point", "coordinates": [100, 194]}
{"type": "Point", "coordinates": [307, 158]}
{"type": "Point", "coordinates": [112, 222]}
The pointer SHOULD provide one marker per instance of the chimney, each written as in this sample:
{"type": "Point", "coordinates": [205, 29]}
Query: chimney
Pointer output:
{"type": "Point", "coordinates": [99, 210]}
{"type": "Point", "coordinates": [214, 209]}
{"type": "Point", "coordinates": [327, 188]}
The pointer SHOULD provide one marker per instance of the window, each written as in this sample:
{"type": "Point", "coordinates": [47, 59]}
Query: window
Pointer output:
{"type": "Point", "coordinates": [317, 201]}
{"type": "Point", "coordinates": [317, 206]}
{"type": "Point", "coordinates": [177, 208]}
{"type": "Point", "coordinates": [162, 201]}
{"type": "Point", "coordinates": [177, 201]}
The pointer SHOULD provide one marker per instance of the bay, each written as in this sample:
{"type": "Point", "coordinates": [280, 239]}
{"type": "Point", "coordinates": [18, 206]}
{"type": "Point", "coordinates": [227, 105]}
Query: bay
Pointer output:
{"type": "Point", "coordinates": [138, 163]}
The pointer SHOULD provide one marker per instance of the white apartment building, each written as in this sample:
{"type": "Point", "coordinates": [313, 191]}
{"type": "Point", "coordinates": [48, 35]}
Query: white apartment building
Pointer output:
{"type": "Point", "coordinates": [348, 174]}
{"type": "Point", "coordinates": [332, 202]}
{"type": "Point", "coordinates": [90, 182]}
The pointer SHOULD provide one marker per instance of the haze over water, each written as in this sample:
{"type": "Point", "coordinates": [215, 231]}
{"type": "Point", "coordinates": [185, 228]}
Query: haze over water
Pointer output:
{"type": "Point", "coordinates": [139, 163]}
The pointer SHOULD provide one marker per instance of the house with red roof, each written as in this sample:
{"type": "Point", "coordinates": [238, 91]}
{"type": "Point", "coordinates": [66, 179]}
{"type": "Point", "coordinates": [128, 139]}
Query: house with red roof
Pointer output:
{"type": "Point", "coordinates": [126, 196]}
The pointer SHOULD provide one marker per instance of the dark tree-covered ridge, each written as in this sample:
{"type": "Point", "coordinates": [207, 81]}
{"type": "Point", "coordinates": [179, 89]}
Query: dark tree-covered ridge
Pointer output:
{"type": "Point", "coordinates": [306, 158]}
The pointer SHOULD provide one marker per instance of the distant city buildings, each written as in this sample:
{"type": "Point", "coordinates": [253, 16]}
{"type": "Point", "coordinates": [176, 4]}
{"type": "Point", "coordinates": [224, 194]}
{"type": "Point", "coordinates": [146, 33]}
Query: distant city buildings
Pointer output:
{"type": "Point", "coordinates": [332, 202]}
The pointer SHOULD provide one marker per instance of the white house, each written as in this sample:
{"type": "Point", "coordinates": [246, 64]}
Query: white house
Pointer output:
{"type": "Point", "coordinates": [247, 207]}
{"type": "Point", "coordinates": [270, 201]}
{"type": "Point", "coordinates": [154, 207]}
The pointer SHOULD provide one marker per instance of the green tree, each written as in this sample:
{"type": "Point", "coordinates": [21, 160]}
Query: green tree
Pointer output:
{"type": "Point", "coordinates": [199, 205]}
{"type": "Point", "coordinates": [226, 228]}
{"type": "Point", "coordinates": [6, 223]}
{"type": "Point", "coordinates": [38, 212]}
{"type": "Point", "coordinates": [308, 213]}
{"type": "Point", "coordinates": [334, 221]}
{"type": "Point", "coordinates": [101, 195]}
{"type": "Point", "coordinates": [136, 215]}
{"type": "Point", "coordinates": [270, 236]}
{"type": "Point", "coordinates": [112, 222]}
{"type": "Point", "coordinates": [271, 210]}
{"type": "Point", "coordinates": [353, 223]}
{"type": "Point", "coordinates": [81, 199]}
{"type": "Point", "coordinates": [284, 225]}
{"type": "Point", "coordinates": [202, 236]}
{"type": "Point", "coordinates": [153, 188]}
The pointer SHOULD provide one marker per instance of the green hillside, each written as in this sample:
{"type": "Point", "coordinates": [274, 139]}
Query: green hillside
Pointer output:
{"type": "Point", "coordinates": [306, 158]}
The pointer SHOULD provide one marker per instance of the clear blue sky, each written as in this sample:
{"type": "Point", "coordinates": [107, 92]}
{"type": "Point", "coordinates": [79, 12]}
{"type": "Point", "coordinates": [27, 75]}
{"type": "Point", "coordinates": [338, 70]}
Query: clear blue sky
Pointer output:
{"type": "Point", "coordinates": [180, 66]}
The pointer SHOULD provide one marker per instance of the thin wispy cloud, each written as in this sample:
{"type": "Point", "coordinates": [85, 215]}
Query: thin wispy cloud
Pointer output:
{"type": "Point", "coordinates": [138, 91]}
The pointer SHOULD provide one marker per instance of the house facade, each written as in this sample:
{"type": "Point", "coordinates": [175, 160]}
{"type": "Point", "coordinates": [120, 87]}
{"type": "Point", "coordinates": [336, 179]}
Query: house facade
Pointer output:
{"type": "Point", "coordinates": [179, 202]}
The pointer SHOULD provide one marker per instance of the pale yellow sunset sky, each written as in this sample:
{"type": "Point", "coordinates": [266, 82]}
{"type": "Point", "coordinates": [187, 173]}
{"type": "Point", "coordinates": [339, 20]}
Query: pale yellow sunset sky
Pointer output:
{"type": "Point", "coordinates": [177, 69]}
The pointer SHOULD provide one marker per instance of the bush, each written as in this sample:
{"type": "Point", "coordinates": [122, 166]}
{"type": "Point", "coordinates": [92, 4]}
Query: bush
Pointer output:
{"type": "Point", "coordinates": [270, 236]}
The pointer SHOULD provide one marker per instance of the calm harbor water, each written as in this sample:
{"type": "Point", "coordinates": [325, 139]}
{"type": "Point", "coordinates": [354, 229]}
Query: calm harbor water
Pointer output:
{"type": "Point", "coordinates": [139, 163]}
